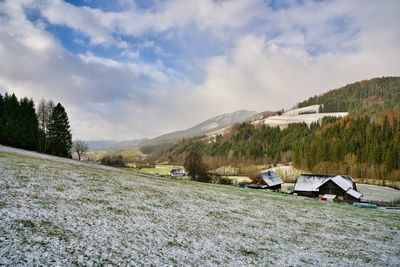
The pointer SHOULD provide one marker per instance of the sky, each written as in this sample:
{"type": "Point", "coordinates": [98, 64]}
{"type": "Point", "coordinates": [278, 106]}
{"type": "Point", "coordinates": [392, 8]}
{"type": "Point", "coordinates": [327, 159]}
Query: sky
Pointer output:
{"type": "Point", "coordinates": [129, 69]}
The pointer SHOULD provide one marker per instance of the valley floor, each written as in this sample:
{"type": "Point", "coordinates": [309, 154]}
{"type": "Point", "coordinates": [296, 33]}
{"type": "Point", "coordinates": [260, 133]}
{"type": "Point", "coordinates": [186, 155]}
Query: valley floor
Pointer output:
{"type": "Point", "coordinates": [61, 212]}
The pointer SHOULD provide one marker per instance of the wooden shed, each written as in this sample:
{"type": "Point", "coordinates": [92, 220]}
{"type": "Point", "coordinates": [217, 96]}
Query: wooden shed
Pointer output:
{"type": "Point", "coordinates": [267, 180]}
{"type": "Point", "coordinates": [342, 188]}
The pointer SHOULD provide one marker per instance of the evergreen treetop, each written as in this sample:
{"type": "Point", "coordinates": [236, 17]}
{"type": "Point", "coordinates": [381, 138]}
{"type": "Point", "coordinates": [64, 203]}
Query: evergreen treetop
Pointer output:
{"type": "Point", "coordinates": [59, 133]}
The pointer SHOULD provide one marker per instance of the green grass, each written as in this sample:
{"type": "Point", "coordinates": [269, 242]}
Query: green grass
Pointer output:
{"type": "Point", "coordinates": [161, 170]}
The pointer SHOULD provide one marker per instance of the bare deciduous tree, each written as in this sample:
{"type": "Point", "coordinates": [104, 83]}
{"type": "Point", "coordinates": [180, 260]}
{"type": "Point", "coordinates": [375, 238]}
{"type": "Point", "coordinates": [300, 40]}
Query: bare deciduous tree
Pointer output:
{"type": "Point", "coordinates": [44, 111]}
{"type": "Point", "coordinates": [196, 168]}
{"type": "Point", "coordinates": [80, 147]}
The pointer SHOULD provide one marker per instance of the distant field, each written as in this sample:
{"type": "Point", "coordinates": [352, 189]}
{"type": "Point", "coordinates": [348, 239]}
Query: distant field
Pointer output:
{"type": "Point", "coordinates": [56, 211]}
{"type": "Point", "coordinates": [158, 170]}
{"type": "Point", "coordinates": [98, 155]}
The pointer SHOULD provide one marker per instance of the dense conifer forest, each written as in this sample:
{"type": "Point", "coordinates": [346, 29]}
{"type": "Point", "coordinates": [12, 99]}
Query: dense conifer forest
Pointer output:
{"type": "Point", "coordinates": [368, 96]}
{"type": "Point", "coordinates": [46, 131]}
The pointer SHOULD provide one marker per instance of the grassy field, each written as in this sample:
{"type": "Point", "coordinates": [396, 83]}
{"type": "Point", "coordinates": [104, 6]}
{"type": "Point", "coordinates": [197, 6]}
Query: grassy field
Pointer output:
{"type": "Point", "coordinates": [59, 212]}
{"type": "Point", "coordinates": [127, 153]}
{"type": "Point", "coordinates": [158, 170]}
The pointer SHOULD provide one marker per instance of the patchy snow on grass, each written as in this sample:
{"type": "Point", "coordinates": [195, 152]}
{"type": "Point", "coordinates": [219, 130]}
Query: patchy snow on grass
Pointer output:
{"type": "Point", "coordinates": [60, 212]}
{"type": "Point", "coordinates": [378, 193]}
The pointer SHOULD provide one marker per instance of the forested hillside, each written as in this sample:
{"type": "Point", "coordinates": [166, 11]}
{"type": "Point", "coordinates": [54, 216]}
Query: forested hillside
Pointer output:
{"type": "Point", "coordinates": [362, 146]}
{"type": "Point", "coordinates": [365, 144]}
{"type": "Point", "coordinates": [360, 97]}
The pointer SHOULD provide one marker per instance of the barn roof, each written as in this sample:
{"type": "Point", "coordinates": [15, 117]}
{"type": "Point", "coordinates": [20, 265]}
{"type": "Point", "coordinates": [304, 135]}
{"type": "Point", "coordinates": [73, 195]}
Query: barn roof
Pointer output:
{"type": "Point", "coordinates": [270, 178]}
{"type": "Point", "coordinates": [311, 182]}
{"type": "Point", "coordinates": [345, 184]}
{"type": "Point", "coordinates": [341, 182]}
{"type": "Point", "coordinates": [354, 193]}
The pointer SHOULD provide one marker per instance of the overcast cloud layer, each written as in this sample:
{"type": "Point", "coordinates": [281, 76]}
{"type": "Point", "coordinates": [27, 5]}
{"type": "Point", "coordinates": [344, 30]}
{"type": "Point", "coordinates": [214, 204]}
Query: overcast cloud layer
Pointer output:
{"type": "Point", "coordinates": [131, 69]}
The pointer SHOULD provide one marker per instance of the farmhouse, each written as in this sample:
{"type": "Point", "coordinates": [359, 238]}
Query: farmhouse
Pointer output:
{"type": "Point", "coordinates": [267, 180]}
{"type": "Point", "coordinates": [338, 188]}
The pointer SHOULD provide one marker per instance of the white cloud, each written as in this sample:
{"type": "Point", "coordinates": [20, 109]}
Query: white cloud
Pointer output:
{"type": "Point", "coordinates": [267, 64]}
{"type": "Point", "coordinates": [100, 25]}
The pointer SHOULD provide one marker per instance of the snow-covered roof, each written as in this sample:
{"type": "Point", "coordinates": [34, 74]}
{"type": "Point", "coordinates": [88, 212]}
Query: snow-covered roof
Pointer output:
{"type": "Point", "coordinates": [312, 183]}
{"type": "Point", "coordinates": [341, 182]}
{"type": "Point", "coordinates": [270, 178]}
{"type": "Point", "coordinates": [354, 193]}
{"type": "Point", "coordinates": [309, 183]}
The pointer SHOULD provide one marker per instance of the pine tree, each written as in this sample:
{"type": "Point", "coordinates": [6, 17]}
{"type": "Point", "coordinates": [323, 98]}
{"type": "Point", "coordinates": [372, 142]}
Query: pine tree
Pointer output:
{"type": "Point", "coordinates": [11, 120]}
{"type": "Point", "coordinates": [59, 133]}
{"type": "Point", "coordinates": [28, 124]}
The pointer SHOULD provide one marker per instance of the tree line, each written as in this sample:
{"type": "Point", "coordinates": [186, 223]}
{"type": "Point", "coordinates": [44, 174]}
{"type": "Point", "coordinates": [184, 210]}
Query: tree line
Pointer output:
{"type": "Point", "coordinates": [45, 130]}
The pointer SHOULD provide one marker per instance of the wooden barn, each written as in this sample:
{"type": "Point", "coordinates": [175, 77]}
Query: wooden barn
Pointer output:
{"type": "Point", "coordinates": [266, 180]}
{"type": "Point", "coordinates": [336, 188]}
{"type": "Point", "coordinates": [342, 188]}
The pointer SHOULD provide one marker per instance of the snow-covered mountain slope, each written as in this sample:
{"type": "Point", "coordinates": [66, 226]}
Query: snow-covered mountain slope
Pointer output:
{"type": "Point", "coordinates": [307, 115]}
{"type": "Point", "coordinates": [285, 120]}
{"type": "Point", "coordinates": [208, 126]}
{"type": "Point", "coordinates": [305, 110]}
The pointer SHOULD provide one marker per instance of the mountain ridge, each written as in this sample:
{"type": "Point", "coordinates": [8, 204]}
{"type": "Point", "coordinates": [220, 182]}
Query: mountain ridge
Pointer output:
{"type": "Point", "coordinates": [210, 125]}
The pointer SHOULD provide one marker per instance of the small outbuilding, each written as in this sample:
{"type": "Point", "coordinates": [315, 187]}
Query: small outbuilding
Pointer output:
{"type": "Point", "coordinates": [266, 180]}
{"type": "Point", "coordinates": [339, 188]}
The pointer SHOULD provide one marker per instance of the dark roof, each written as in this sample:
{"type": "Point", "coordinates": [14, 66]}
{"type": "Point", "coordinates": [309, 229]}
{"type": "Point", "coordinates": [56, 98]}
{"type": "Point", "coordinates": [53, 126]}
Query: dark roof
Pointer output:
{"type": "Point", "coordinates": [270, 178]}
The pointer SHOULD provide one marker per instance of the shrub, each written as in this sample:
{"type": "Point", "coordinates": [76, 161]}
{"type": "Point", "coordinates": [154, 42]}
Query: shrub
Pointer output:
{"type": "Point", "coordinates": [222, 180]}
{"type": "Point", "coordinates": [113, 160]}
{"type": "Point", "coordinates": [242, 184]}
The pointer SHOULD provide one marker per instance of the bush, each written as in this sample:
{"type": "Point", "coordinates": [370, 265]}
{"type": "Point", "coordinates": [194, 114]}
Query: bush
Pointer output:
{"type": "Point", "coordinates": [242, 184]}
{"type": "Point", "coordinates": [222, 180]}
{"type": "Point", "coordinates": [142, 165]}
{"type": "Point", "coordinates": [115, 161]}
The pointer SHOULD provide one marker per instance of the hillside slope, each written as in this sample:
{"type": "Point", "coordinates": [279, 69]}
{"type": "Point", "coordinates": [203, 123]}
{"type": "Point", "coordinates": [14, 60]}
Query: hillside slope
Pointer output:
{"type": "Point", "coordinates": [205, 127]}
{"type": "Point", "coordinates": [59, 212]}
{"type": "Point", "coordinates": [359, 97]}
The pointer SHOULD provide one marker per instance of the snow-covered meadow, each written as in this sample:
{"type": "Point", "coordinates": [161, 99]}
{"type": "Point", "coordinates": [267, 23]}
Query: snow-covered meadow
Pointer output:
{"type": "Point", "coordinates": [59, 212]}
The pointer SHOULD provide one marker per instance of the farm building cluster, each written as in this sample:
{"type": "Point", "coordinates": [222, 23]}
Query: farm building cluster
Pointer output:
{"type": "Point", "coordinates": [339, 188]}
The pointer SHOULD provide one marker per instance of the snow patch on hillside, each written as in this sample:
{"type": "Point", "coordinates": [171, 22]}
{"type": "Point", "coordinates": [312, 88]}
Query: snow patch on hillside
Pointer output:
{"type": "Point", "coordinates": [299, 111]}
{"type": "Point", "coordinates": [284, 120]}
